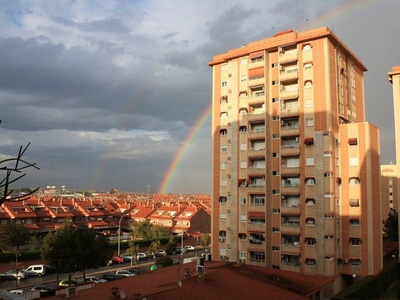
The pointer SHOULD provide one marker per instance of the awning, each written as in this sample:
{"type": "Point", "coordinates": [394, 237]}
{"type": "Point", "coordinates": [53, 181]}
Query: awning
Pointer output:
{"type": "Point", "coordinates": [259, 72]}
{"type": "Point", "coordinates": [257, 215]}
{"type": "Point", "coordinates": [352, 141]}
{"type": "Point", "coordinates": [257, 54]}
{"type": "Point", "coordinates": [309, 141]}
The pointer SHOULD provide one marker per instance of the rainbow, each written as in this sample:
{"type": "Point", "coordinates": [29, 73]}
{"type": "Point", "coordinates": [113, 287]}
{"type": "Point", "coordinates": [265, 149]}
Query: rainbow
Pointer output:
{"type": "Point", "coordinates": [178, 157]}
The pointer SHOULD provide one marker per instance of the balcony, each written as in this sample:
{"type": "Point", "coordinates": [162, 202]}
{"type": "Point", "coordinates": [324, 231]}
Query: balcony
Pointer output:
{"type": "Point", "coordinates": [287, 75]}
{"type": "Point", "coordinates": [287, 56]}
{"type": "Point", "coordinates": [291, 227]}
{"type": "Point", "coordinates": [291, 248]}
{"type": "Point", "coordinates": [290, 188]}
{"type": "Point", "coordinates": [293, 209]}
{"type": "Point", "coordinates": [290, 148]}
{"type": "Point", "coordinates": [256, 81]}
{"type": "Point", "coordinates": [257, 132]}
{"type": "Point", "coordinates": [258, 115]}
{"type": "Point", "coordinates": [254, 170]}
{"type": "Point", "coordinates": [289, 93]}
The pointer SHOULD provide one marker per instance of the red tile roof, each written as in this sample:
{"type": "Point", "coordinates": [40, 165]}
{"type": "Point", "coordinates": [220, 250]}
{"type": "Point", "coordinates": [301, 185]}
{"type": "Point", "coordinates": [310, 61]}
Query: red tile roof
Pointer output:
{"type": "Point", "coordinates": [221, 281]}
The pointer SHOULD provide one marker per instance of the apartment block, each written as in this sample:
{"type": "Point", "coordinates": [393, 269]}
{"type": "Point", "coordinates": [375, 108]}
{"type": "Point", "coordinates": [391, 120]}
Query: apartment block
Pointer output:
{"type": "Point", "coordinates": [296, 167]}
{"type": "Point", "coordinates": [394, 79]}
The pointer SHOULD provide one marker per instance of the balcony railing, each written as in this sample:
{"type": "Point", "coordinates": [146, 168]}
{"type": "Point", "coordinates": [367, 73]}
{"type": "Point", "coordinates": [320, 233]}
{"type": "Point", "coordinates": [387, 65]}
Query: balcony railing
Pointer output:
{"type": "Point", "coordinates": [291, 223]}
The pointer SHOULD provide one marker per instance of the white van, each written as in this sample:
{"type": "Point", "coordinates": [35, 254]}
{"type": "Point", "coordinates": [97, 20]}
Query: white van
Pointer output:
{"type": "Point", "coordinates": [38, 270]}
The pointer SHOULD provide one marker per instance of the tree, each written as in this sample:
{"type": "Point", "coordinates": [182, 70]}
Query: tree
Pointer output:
{"type": "Point", "coordinates": [390, 226]}
{"type": "Point", "coordinates": [205, 240]}
{"type": "Point", "coordinates": [71, 249]}
{"type": "Point", "coordinates": [13, 168]}
{"type": "Point", "coordinates": [171, 246]}
{"type": "Point", "coordinates": [12, 236]}
{"type": "Point", "coordinates": [147, 231]}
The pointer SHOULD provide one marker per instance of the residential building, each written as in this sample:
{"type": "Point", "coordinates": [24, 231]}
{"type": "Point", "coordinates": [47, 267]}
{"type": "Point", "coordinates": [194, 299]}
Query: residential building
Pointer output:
{"type": "Point", "coordinates": [394, 79]}
{"type": "Point", "coordinates": [296, 167]}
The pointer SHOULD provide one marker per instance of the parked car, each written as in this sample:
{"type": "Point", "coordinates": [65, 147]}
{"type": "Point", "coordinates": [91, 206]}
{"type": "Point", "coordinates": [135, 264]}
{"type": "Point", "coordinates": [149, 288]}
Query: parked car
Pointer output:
{"type": "Point", "coordinates": [42, 288]}
{"type": "Point", "coordinates": [141, 256]}
{"type": "Point", "coordinates": [125, 273]}
{"type": "Point", "coordinates": [189, 248]}
{"type": "Point", "coordinates": [126, 257]}
{"type": "Point", "coordinates": [17, 292]}
{"type": "Point", "coordinates": [65, 282]}
{"type": "Point", "coordinates": [179, 250]}
{"type": "Point", "coordinates": [94, 279]}
{"type": "Point", "coordinates": [45, 290]}
{"type": "Point", "coordinates": [14, 274]}
{"type": "Point", "coordinates": [50, 270]}
{"type": "Point", "coordinates": [160, 252]}
{"type": "Point", "coordinates": [36, 270]}
{"type": "Point", "coordinates": [149, 254]}
{"type": "Point", "coordinates": [111, 276]}
{"type": "Point", "coordinates": [117, 260]}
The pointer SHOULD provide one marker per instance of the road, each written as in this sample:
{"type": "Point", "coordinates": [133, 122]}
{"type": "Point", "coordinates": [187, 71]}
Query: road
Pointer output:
{"type": "Point", "coordinates": [51, 279]}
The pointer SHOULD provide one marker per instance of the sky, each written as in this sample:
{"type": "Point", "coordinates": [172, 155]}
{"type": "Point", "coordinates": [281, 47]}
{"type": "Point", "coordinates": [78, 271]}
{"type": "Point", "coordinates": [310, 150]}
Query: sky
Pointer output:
{"type": "Point", "coordinates": [116, 94]}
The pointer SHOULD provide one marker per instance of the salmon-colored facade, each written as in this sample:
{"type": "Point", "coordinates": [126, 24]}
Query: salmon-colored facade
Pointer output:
{"type": "Point", "coordinates": [296, 168]}
{"type": "Point", "coordinates": [394, 79]}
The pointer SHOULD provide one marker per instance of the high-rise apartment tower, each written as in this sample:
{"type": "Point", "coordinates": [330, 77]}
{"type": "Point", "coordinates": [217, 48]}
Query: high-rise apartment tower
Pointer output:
{"type": "Point", "coordinates": [296, 169]}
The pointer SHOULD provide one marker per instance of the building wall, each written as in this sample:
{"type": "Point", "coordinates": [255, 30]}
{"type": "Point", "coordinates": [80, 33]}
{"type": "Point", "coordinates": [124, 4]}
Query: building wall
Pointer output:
{"type": "Point", "coordinates": [278, 108]}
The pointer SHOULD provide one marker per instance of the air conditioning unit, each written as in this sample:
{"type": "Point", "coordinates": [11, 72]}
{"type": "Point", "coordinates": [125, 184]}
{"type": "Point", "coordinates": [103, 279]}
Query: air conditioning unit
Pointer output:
{"type": "Point", "coordinates": [345, 261]}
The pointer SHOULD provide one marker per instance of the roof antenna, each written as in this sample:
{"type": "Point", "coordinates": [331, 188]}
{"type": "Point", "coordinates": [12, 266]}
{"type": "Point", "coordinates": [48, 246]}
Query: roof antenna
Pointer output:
{"type": "Point", "coordinates": [307, 23]}
{"type": "Point", "coordinates": [273, 30]}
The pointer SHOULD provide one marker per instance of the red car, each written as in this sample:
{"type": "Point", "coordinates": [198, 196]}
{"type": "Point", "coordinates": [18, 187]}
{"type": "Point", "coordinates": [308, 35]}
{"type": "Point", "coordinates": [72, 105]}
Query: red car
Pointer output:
{"type": "Point", "coordinates": [117, 260]}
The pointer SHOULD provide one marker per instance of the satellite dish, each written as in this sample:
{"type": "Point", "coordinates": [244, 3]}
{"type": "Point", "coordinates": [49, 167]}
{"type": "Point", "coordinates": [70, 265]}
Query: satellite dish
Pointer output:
{"type": "Point", "coordinates": [122, 295]}
{"type": "Point", "coordinates": [180, 283]}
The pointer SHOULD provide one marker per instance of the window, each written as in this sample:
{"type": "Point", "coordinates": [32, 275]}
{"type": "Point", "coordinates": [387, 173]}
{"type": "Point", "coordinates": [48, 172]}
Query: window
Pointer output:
{"type": "Point", "coordinates": [275, 248]}
{"type": "Point", "coordinates": [224, 182]}
{"type": "Point", "coordinates": [275, 154]}
{"type": "Point", "coordinates": [223, 217]}
{"type": "Point", "coordinates": [354, 202]}
{"type": "Point", "coordinates": [355, 222]}
{"type": "Point", "coordinates": [243, 129]}
{"type": "Point", "coordinates": [243, 164]}
{"type": "Point", "coordinates": [353, 161]}
{"type": "Point", "coordinates": [276, 211]}
{"type": "Point", "coordinates": [223, 132]}
{"type": "Point", "coordinates": [355, 262]}
{"type": "Point", "coordinates": [275, 118]}
{"type": "Point", "coordinates": [355, 241]}
{"type": "Point", "coordinates": [275, 100]}
{"type": "Point", "coordinates": [223, 166]}
{"type": "Point", "coordinates": [224, 115]}
{"type": "Point", "coordinates": [354, 181]}
{"type": "Point", "coordinates": [224, 149]}
{"type": "Point", "coordinates": [309, 121]}
{"type": "Point", "coordinates": [307, 47]}
{"type": "Point", "coordinates": [310, 221]}
{"type": "Point", "coordinates": [224, 83]}
{"type": "Point", "coordinates": [243, 218]}
{"type": "Point", "coordinates": [258, 201]}
{"type": "Point", "coordinates": [308, 84]}
{"type": "Point", "coordinates": [310, 261]}
{"type": "Point", "coordinates": [310, 181]}
{"type": "Point", "coordinates": [309, 141]}
{"type": "Point", "coordinates": [222, 200]}
{"type": "Point", "coordinates": [308, 103]}
{"type": "Point", "coordinates": [243, 147]}
{"type": "Point", "coordinates": [353, 141]}
{"type": "Point", "coordinates": [242, 200]}
{"type": "Point", "coordinates": [275, 173]}
{"type": "Point", "coordinates": [307, 66]}
{"type": "Point", "coordinates": [243, 77]}
{"type": "Point", "coordinates": [309, 161]}
{"type": "Point", "coordinates": [310, 202]}
{"type": "Point", "coordinates": [275, 82]}
{"type": "Point", "coordinates": [242, 236]}
{"type": "Point", "coordinates": [275, 229]}
{"type": "Point", "coordinates": [274, 65]}
{"type": "Point", "coordinates": [243, 61]}
{"type": "Point", "coordinates": [275, 192]}
{"type": "Point", "coordinates": [224, 67]}
{"type": "Point", "coordinates": [275, 136]}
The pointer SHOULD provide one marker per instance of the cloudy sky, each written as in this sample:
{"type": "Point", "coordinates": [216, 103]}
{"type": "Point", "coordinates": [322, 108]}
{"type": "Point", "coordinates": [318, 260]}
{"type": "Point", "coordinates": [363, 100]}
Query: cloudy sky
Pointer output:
{"type": "Point", "coordinates": [108, 92]}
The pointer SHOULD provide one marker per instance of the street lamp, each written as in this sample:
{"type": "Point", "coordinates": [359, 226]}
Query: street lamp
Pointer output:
{"type": "Point", "coordinates": [354, 278]}
{"type": "Point", "coordinates": [119, 232]}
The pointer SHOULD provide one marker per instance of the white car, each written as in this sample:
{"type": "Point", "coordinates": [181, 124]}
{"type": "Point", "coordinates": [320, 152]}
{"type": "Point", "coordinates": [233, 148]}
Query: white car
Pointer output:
{"type": "Point", "coordinates": [189, 248]}
{"type": "Point", "coordinates": [17, 292]}
{"type": "Point", "coordinates": [125, 273]}
{"type": "Point", "coordinates": [14, 274]}
{"type": "Point", "coordinates": [141, 255]}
